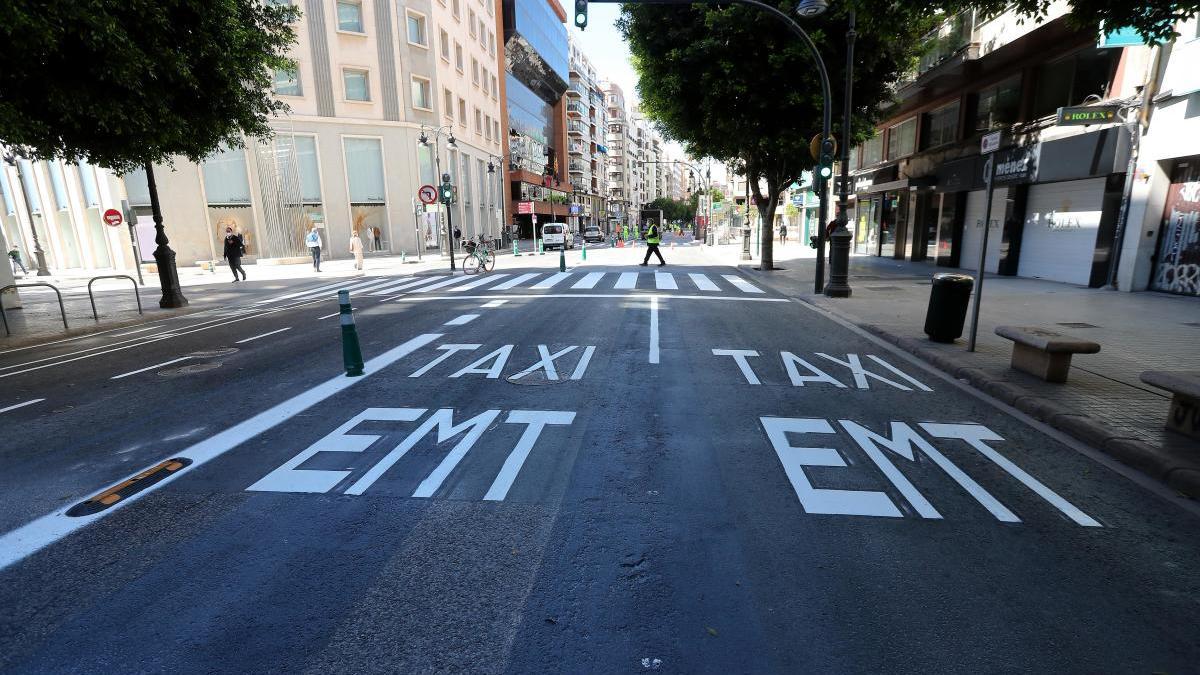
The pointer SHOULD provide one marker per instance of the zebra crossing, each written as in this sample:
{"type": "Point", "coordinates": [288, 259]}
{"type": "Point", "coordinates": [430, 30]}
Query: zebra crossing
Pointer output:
{"type": "Point", "coordinates": [691, 282]}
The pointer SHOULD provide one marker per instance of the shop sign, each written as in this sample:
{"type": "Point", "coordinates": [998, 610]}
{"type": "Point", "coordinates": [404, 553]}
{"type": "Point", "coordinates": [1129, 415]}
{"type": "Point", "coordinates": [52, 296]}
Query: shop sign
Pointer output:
{"type": "Point", "coordinates": [1014, 165]}
{"type": "Point", "coordinates": [990, 142]}
{"type": "Point", "coordinates": [1083, 115]}
{"type": "Point", "coordinates": [576, 209]}
{"type": "Point", "coordinates": [524, 207]}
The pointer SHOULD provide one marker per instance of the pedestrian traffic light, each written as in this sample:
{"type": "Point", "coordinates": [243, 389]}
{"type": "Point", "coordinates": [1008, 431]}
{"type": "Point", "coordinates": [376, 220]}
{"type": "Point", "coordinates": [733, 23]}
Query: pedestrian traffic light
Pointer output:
{"type": "Point", "coordinates": [447, 193]}
{"type": "Point", "coordinates": [825, 163]}
{"type": "Point", "coordinates": [581, 14]}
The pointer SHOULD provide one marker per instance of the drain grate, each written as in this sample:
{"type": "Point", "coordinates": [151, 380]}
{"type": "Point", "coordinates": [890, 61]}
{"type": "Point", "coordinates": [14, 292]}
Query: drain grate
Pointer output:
{"type": "Point", "coordinates": [1078, 324]}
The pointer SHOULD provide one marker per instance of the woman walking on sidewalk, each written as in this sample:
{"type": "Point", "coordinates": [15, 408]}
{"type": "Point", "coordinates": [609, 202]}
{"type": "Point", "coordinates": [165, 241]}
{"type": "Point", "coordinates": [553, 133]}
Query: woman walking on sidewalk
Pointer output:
{"type": "Point", "coordinates": [235, 248]}
{"type": "Point", "coordinates": [313, 241]}
{"type": "Point", "coordinates": [356, 249]}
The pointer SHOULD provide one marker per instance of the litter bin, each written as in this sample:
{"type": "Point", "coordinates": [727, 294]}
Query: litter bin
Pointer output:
{"type": "Point", "coordinates": [948, 300]}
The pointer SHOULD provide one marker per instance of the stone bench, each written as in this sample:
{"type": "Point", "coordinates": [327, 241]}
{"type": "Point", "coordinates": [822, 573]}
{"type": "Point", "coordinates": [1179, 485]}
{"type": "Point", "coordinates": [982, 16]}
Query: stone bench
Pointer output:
{"type": "Point", "coordinates": [1184, 386]}
{"type": "Point", "coordinates": [1044, 353]}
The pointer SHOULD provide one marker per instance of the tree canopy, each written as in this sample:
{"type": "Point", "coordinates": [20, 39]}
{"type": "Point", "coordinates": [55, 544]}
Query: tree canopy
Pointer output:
{"type": "Point", "coordinates": [1154, 20]}
{"type": "Point", "coordinates": [125, 82]}
{"type": "Point", "coordinates": [675, 209]}
{"type": "Point", "coordinates": [733, 83]}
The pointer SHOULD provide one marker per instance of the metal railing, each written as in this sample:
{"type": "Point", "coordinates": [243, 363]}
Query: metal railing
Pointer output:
{"type": "Point", "coordinates": [92, 298]}
{"type": "Point", "coordinates": [4, 314]}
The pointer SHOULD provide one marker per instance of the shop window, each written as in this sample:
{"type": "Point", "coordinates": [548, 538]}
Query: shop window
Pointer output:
{"type": "Point", "coordinates": [902, 139]}
{"type": "Point", "coordinates": [356, 83]}
{"type": "Point", "coordinates": [998, 106]}
{"type": "Point", "coordinates": [872, 151]}
{"type": "Point", "coordinates": [1069, 81]}
{"type": "Point", "coordinates": [287, 82]}
{"type": "Point", "coordinates": [349, 16]}
{"type": "Point", "coordinates": [940, 126]}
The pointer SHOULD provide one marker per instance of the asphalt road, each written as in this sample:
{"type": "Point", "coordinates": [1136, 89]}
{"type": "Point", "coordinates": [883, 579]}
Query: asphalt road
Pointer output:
{"type": "Point", "coordinates": [568, 473]}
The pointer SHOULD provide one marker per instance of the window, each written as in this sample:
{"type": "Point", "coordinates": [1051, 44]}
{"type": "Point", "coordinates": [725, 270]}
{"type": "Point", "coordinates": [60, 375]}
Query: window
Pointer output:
{"type": "Point", "coordinates": [482, 34]}
{"type": "Point", "coordinates": [487, 127]}
{"type": "Point", "coordinates": [445, 40]}
{"type": "Point", "coordinates": [471, 22]}
{"type": "Point", "coordinates": [495, 87]}
{"type": "Point", "coordinates": [491, 43]}
{"type": "Point", "coordinates": [496, 134]}
{"type": "Point", "coordinates": [364, 170]}
{"type": "Point", "coordinates": [475, 71]}
{"type": "Point", "coordinates": [308, 164]}
{"type": "Point", "coordinates": [349, 16]}
{"type": "Point", "coordinates": [872, 151]}
{"type": "Point", "coordinates": [420, 94]}
{"type": "Point", "coordinates": [902, 139]}
{"type": "Point", "coordinates": [416, 29]}
{"type": "Point", "coordinates": [357, 85]}
{"type": "Point", "coordinates": [997, 106]}
{"type": "Point", "coordinates": [454, 8]}
{"type": "Point", "coordinates": [462, 112]}
{"type": "Point", "coordinates": [287, 82]}
{"type": "Point", "coordinates": [1070, 80]}
{"type": "Point", "coordinates": [478, 122]}
{"type": "Point", "coordinates": [448, 104]}
{"type": "Point", "coordinates": [458, 57]}
{"type": "Point", "coordinates": [940, 126]}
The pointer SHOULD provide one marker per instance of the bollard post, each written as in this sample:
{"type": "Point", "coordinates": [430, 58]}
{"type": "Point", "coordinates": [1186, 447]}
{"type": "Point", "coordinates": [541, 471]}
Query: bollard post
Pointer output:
{"type": "Point", "coordinates": [403, 257]}
{"type": "Point", "coordinates": [541, 246]}
{"type": "Point", "coordinates": [562, 258]}
{"type": "Point", "coordinates": [515, 250]}
{"type": "Point", "coordinates": [585, 249]}
{"type": "Point", "coordinates": [351, 352]}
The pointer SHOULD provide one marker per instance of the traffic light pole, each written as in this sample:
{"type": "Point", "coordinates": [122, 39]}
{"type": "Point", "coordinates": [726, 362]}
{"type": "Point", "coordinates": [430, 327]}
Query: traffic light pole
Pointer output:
{"type": "Point", "coordinates": [827, 116]}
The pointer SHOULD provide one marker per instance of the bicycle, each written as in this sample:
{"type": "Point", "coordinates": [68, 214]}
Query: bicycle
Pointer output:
{"type": "Point", "coordinates": [480, 257]}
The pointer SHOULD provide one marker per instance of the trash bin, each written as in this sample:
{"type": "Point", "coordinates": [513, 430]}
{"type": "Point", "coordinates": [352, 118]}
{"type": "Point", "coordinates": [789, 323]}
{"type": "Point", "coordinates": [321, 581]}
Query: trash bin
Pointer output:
{"type": "Point", "coordinates": [948, 300]}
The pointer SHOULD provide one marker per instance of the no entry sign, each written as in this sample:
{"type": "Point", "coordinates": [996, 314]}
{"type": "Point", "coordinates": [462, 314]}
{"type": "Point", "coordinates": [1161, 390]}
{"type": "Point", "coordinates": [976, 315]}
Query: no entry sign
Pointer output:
{"type": "Point", "coordinates": [113, 218]}
{"type": "Point", "coordinates": [427, 194]}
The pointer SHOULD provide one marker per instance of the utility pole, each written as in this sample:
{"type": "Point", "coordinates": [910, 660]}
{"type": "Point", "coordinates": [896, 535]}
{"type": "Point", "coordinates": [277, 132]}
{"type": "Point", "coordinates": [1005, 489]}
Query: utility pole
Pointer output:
{"type": "Point", "coordinates": [11, 158]}
{"type": "Point", "coordinates": [839, 254]}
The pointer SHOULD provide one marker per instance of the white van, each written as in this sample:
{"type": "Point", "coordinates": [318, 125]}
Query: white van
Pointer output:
{"type": "Point", "coordinates": [557, 235]}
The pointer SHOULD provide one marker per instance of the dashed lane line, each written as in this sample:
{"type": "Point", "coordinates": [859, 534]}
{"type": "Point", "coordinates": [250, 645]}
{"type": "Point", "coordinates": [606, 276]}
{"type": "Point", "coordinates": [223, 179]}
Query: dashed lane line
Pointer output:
{"type": "Point", "coordinates": [460, 320]}
{"type": "Point", "coordinates": [142, 370]}
{"type": "Point", "coordinates": [263, 335]}
{"type": "Point", "coordinates": [22, 404]}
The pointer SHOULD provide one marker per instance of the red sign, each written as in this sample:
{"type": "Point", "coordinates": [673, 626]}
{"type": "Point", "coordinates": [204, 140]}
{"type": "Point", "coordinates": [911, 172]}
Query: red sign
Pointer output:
{"type": "Point", "coordinates": [524, 207]}
{"type": "Point", "coordinates": [427, 194]}
{"type": "Point", "coordinates": [113, 217]}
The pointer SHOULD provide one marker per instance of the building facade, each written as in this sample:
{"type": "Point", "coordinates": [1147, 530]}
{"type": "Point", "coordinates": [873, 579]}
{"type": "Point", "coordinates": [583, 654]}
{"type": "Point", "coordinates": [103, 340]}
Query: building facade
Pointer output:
{"type": "Point", "coordinates": [587, 125]}
{"type": "Point", "coordinates": [619, 162]}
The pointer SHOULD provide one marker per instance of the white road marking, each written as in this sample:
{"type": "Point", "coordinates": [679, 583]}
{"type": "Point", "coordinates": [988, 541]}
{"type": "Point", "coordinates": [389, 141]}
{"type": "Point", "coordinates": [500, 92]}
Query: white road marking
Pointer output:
{"type": "Point", "coordinates": [899, 372]}
{"type": "Point", "coordinates": [654, 329]}
{"type": "Point", "coordinates": [460, 320]}
{"type": "Point", "coordinates": [703, 282]}
{"type": "Point", "coordinates": [486, 279]}
{"type": "Point", "coordinates": [665, 281]}
{"type": "Point", "coordinates": [790, 361]}
{"type": "Point", "coordinates": [297, 294]}
{"type": "Point", "coordinates": [474, 428]}
{"type": "Point", "coordinates": [576, 296]}
{"type": "Point", "coordinates": [140, 330]}
{"type": "Point", "coordinates": [546, 363]}
{"type": "Point", "coordinates": [861, 374]}
{"type": "Point", "coordinates": [142, 370]}
{"type": "Point", "coordinates": [493, 372]}
{"type": "Point", "coordinates": [516, 281]}
{"type": "Point", "coordinates": [392, 284]}
{"type": "Point", "coordinates": [627, 280]}
{"type": "Point", "coordinates": [331, 315]}
{"type": "Point", "coordinates": [331, 292]}
{"type": "Point", "coordinates": [494, 303]}
{"type": "Point", "coordinates": [406, 286]}
{"type": "Point", "coordinates": [901, 442]}
{"type": "Point", "coordinates": [21, 405]}
{"type": "Point", "coordinates": [36, 535]}
{"type": "Point", "coordinates": [536, 420]}
{"type": "Point", "coordinates": [739, 356]}
{"type": "Point", "coordinates": [741, 284]}
{"type": "Point", "coordinates": [581, 367]}
{"type": "Point", "coordinates": [589, 280]}
{"type": "Point", "coordinates": [552, 280]}
{"type": "Point", "coordinates": [442, 284]}
{"type": "Point", "coordinates": [450, 350]}
{"type": "Point", "coordinates": [263, 335]}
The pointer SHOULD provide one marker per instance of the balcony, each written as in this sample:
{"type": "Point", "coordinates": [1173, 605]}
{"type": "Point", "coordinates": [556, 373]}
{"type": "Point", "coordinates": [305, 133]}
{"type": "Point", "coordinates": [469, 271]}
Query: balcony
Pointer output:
{"type": "Point", "coordinates": [576, 109]}
{"type": "Point", "coordinates": [578, 166]}
{"type": "Point", "coordinates": [575, 149]}
{"type": "Point", "coordinates": [576, 128]}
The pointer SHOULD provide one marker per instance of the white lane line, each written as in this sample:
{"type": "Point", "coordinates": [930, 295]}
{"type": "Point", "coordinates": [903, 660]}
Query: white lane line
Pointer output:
{"type": "Point", "coordinates": [487, 279]}
{"type": "Point", "coordinates": [665, 281]}
{"type": "Point", "coordinates": [460, 320]}
{"type": "Point", "coordinates": [22, 405]}
{"type": "Point", "coordinates": [263, 335]}
{"type": "Point", "coordinates": [540, 296]}
{"type": "Point", "coordinates": [742, 285]}
{"type": "Point", "coordinates": [140, 330]}
{"type": "Point", "coordinates": [142, 370]}
{"type": "Point", "coordinates": [412, 283]}
{"type": "Point", "coordinates": [516, 281]}
{"type": "Point", "coordinates": [36, 535]}
{"type": "Point", "coordinates": [330, 316]}
{"type": "Point", "coordinates": [589, 280]}
{"type": "Point", "coordinates": [654, 329]}
{"type": "Point", "coordinates": [494, 303]}
{"type": "Point", "coordinates": [442, 284]}
{"type": "Point", "coordinates": [627, 280]}
{"type": "Point", "coordinates": [392, 283]}
{"type": "Point", "coordinates": [703, 282]}
{"type": "Point", "coordinates": [552, 280]}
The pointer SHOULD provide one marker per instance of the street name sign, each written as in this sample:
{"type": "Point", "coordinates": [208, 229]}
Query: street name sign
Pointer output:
{"type": "Point", "coordinates": [990, 143]}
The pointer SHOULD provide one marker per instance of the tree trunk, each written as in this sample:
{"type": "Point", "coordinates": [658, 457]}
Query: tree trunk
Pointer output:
{"type": "Point", "coordinates": [766, 208]}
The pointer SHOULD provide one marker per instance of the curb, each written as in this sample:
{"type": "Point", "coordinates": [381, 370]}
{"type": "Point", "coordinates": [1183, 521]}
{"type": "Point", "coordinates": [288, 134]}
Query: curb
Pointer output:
{"type": "Point", "coordinates": [1180, 471]}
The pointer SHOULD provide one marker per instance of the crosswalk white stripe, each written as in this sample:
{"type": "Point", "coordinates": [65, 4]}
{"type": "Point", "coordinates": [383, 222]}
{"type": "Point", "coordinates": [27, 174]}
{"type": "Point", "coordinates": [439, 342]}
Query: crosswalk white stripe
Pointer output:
{"type": "Point", "coordinates": [552, 280]}
{"type": "Point", "coordinates": [392, 284]}
{"type": "Point", "coordinates": [742, 285]}
{"type": "Point", "coordinates": [627, 280]}
{"type": "Point", "coordinates": [442, 284]}
{"type": "Point", "coordinates": [703, 282]}
{"type": "Point", "coordinates": [516, 281]}
{"type": "Point", "coordinates": [589, 280]}
{"type": "Point", "coordinates": [487, 279]}
{"type": "Point", "coordinates": [289, 296]}
{"type": "Point", "coordinates": [665, 281]}
{"type": "Point", "coordinates": [408, 285]}
{"type": "Point", "coordinates": [338, 287]}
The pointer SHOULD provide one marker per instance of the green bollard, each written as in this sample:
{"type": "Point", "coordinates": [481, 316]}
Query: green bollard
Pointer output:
{"type": "Point", "coordinates": [403, 257]}
{"type": "Point", "coordinates": [541, 246]}
{"type": "Point", "coordinates": [515, 251]}
{"type": "Point", "coordinates": [585, 250]}
{"type": "Point", "coordinates": [351, 352]}
{"type": "Point", "coordinates": [562, 259]}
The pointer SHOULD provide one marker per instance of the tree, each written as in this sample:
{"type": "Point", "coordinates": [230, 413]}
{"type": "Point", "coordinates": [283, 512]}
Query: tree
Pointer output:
{"type": "Point", "coordinates": [717, 195]}
{"type": "Point", "coordinates": [735, 84]}
{"type": "Point", "coordinates": [125, 84]}
{"type": "Point", "coordinates": [1154, 20]}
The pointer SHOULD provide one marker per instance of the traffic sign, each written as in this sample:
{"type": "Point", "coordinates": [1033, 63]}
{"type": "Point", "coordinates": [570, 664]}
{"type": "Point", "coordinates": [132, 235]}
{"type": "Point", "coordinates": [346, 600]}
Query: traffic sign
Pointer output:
{"type": "Point", "coordinates": [990, 143]}
{"type": "Point", "coordinates": [427, 194]}
{"type": "Point", "coordinates": [113, 218]}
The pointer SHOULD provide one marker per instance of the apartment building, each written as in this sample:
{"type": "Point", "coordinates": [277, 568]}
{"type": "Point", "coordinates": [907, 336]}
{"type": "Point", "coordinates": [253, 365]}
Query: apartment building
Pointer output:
{"type": "Point", "coordinates": [587, 125]}
{"type": "Point", "coordinates": [619, 162]}
{"type": "Point", "coordinates": [919, 183]}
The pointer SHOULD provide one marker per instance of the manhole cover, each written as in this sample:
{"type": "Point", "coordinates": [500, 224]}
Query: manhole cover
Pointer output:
{"type": "Point", "coordinates": [1078, 325]}
{"type": "Point", "coordinates": [210, 353]}
{"type": "Point", "coordinates": [190, 369]}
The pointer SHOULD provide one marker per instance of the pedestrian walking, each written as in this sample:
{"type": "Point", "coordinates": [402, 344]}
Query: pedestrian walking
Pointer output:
{"type": "Point", "coordinates": [375, 234]}
{"type": "Point", "coordinates": [313, 242]}
{"type": "Point", "coordinates": [356, 248]}
{"type": "Point", "coordinates": [235, 248]}
{"type": "Point", "coordinates": [783, 234]}
{"type": "Point", "coordinates": [14, 256]}
{"type": "Point", "coordinates": [653, 239]}
{"type": "Point", "coordinates": [457, 238]}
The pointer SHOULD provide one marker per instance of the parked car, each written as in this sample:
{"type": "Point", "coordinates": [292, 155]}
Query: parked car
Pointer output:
{"type": "Point", "coordinates": [592, 233]}
{"type": "Point", "coordinates": [557, 235]}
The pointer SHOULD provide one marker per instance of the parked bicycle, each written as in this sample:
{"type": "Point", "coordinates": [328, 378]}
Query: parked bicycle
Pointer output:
{"type": "Point", "coordinates": [480, 257]}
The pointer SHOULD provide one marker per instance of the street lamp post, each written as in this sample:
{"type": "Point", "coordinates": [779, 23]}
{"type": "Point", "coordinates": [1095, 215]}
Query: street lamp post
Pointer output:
{"type": "Point", "coordinates": [11, 158]}
{"type": "Point", "coordinates": [437, 159]}
{"type": "Point", "coordinates": [839, 254]}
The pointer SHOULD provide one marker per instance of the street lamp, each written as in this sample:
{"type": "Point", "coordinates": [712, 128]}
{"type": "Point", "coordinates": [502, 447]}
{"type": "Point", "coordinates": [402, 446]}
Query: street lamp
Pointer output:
{"type": "Point", "coordinates": [10, 158]}
{"type": "Point", "coordinates": [437, 158]}
{"type": "Point", "coordinates": [811, 8]}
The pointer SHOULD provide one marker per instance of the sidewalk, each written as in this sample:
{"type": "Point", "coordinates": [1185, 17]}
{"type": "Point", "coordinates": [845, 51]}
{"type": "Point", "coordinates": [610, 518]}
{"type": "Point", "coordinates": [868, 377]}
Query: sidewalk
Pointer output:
{"type": "Point", "coordinates": [1104, 403]}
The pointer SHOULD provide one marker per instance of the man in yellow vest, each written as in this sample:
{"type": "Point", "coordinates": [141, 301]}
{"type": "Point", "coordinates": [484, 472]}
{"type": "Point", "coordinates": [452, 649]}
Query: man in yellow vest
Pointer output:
{"type": "Point", "coordinates": [653, 239]}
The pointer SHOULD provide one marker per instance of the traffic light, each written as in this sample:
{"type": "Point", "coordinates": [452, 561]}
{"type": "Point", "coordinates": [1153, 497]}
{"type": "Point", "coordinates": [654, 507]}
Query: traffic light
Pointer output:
{"type": "Point", "coordinates": [447, 193]}
{"type": "Point", "coordinates": [581, 14]}
{"type": "Point", "coordinates": [825, 163]}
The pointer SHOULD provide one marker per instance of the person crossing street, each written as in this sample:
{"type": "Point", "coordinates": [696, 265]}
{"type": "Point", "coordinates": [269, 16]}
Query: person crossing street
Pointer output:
{"type": "Point", "coordinates": [653, 239]}
{"type": "Point", "coordinates": [235, 248]}
{"type": "Point", "coordinates": [313, 241]}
